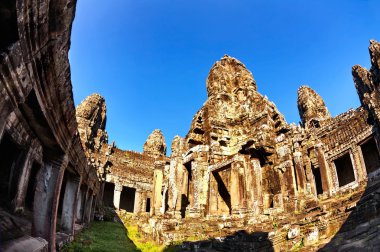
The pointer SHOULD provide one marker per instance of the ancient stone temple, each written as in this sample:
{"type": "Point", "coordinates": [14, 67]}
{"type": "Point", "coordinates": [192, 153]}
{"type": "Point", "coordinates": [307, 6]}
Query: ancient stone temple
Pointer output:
{"type": "Point", "coordinates": [242, 168]}
{"type": "Point", "coordinates": [47, 188]}
{"type": "Point", "coordinates": [242, 179]}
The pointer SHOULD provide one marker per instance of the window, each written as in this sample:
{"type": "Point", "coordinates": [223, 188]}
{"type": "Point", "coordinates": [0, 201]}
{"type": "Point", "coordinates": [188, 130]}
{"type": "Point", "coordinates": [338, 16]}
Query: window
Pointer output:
{"type": "Point", "coordinates": [344, 169]}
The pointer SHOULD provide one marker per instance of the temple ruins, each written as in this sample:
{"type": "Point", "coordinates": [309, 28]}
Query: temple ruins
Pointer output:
{"type": "Point", "coordinates": [242, 177]}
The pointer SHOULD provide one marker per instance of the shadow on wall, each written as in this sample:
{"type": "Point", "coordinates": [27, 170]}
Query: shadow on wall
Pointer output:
{"type": "Point", "coordinates": [239, 241]}
{"type": "Point", "coordinates": [361, 230]}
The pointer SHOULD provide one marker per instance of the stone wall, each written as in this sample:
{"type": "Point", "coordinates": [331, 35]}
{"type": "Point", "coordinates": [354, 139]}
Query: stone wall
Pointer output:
{"type": "Point", "coordinates": [43, 165]}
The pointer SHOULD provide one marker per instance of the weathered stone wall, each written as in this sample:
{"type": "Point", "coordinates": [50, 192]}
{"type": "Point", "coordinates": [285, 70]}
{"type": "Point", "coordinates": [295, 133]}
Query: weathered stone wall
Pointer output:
{"type": "Point", "coordinates": [43, 163]}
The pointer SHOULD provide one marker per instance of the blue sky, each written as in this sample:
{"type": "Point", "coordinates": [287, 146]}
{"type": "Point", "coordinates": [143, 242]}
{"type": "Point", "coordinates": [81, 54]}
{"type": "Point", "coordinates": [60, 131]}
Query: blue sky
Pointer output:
{"type": "Point", "coordinates": [150, 59]}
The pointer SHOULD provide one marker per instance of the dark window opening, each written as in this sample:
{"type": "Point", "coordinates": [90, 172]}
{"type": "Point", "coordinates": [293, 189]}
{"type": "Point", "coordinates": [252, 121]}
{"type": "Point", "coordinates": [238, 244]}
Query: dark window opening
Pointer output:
{"type": "Point", "coordinates": [344, 170]}
{"type": "Point", "coordinates": [223, 143]}
{"type": "Point", "coordinates": [315, 124]}
{"type": "Point", "coordinates": [8, 24]}
{"type": "Point", "coordinates": [147, 207]}
{"type": "Point", "coordinates": [199, 131]}
{"type": "Point", "coordinates": [271, 205]}
{"type": "Point", "coordinates": [109, 189]}
{"type": "Point", "coordinates": [127, 199]}
{"type": "Point", "coordinates": [370, 155]}
{"type": "Point", "coordinates": [166, 200]}
{"type": "Point", "coordinates": [11, 162]}
{"type": "Point", "coordinates": [317, 180]}
{"type": "Point", "coordinates": [31, 186]}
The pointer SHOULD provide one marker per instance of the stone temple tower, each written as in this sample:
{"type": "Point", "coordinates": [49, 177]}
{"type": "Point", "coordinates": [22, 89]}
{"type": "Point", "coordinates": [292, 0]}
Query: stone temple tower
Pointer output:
{"type": "Point", "coordinates": [312, 108]}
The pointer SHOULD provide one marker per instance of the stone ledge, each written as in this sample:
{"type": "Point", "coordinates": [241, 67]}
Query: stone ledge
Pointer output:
{"type": "Point", "coordinates": [25, 244]}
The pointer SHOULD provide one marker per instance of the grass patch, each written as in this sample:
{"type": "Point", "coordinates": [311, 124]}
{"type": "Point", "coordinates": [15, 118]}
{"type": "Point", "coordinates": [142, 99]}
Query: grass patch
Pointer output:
{"type": "Point", "coordinates": [102, 236]}
{"type": "Point", "coordinates": [141, 243]}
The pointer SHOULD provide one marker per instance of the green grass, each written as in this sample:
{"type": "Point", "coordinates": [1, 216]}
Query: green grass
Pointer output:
{"type": "Point", "coordinates": [142, 244]}
{"type": "Point", "coordinates": [102, 236]}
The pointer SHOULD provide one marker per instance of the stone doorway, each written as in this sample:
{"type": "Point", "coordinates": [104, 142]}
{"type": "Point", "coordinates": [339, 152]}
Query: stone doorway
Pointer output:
{"type": "Point", "coordinates": [127, 199]}
{"type": "Point", "coordinates": [221, 203]}
{"type": "Point", "coordinates": [317, 180]}
{"type": "Point", "coordinates": [109, 189]}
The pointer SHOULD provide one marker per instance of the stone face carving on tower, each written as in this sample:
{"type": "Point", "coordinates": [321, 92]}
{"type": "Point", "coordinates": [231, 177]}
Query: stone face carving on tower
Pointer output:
{"type": "Point", "coordinates": [311, 107]}
{"type": "Point", "coordinates": [155, 144]}
{"type": "Point", "coordinates": [91, 118]}
{"type": "Point", "coordinates": [234, 112]}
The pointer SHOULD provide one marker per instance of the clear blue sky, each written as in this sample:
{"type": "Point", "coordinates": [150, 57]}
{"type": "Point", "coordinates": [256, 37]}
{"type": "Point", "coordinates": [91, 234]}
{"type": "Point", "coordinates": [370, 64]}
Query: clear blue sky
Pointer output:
{"type": "Point", "coordinates": [150, 59]}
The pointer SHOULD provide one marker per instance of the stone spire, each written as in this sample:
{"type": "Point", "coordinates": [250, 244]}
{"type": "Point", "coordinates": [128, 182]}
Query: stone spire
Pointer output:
{"type": "Point", "coordinates": [367, 82]}
{"type": "Point", "coordinates": [227, 75]}
{"type": "Point", "coordinates": [311, 107]}
{"type": "Point", "coordinates": [177, 146]}
{"type": "Point", "coordinates": [155, 144]}
{"type": "Point", "coordinates": [91, 118]}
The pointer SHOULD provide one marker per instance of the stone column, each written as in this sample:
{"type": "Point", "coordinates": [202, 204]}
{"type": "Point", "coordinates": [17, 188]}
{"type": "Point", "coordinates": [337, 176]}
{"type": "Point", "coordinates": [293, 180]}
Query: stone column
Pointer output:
{"type": "Point", "coordinates": [69, 204]}
{"type": "Point", "coordinates": [310, 184]}
{"type": "Point", "coordinates": [324, 169]}
{"type": "Point", "coordinates": [24, 181]}
{"type": "Point", "coordinates": [213, 195]}
{"type": "Point", "coordinates": [257, 186]}
{"type": "Point", "coordinates": [200, 177]}
{"type": "Point", "coordinates": [138, 202]}
{"type": "Point", "coordinates": [47, 198]}
{"type": "Point", "coordinates": [250, 187]}
{"type": "Point", "coordinates": [88, 208]}
{"type": "Point", "coordinates": [300, 174]}
{"type": "Point", "coordinates": [235, 192]}
{"type": "Point", "coordinates": [116, 195]}
{"type": "Point", "coordinates": [181, 207]}
{"type": "Point", "coordinates": [80, 206]}
{"type": "Point", "coordinates": [157, 187]}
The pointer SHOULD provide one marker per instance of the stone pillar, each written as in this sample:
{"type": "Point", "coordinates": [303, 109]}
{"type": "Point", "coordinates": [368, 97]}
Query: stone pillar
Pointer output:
{"type": "Point", "coordinates": [213, 195]}
{"type": "Point", "coordinates": [69, 205]}
{"type": "Point", "coordinates": [175, 186]}
{"type": "Point", "coordinates": [359, 164]}
{"type": "Point", "coordinates": [80, 206]}
{"type": "Point", "coordinates": [88, 208]}
{"type": "Point", "coordinates": [138, 202]}
{"type": "Point", "coordinates": [157, 187]}
{"type": "Point", "coordinates": [181, 207]}
{"type": "Point", "coordinates": [257, 186]}
{"type": "Point", "coordinates": [235, 190]}
{"type": "Point", "coordinates": [24, 181]}
{"type": "Point", "coordinates": [116, 195]}
{"type": "Point", "coordinates": [250, 187]}
{"type": "Point", "coordinates": [300, 174]}
{"type": "Point", "coordinates": [310, 185]}
{"type": "Point", "coordinates": [200, 177]}
{"type": "Point", "coordinates": [324, 170]}
{"type": "Point", "coordinates": [47, 198]}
